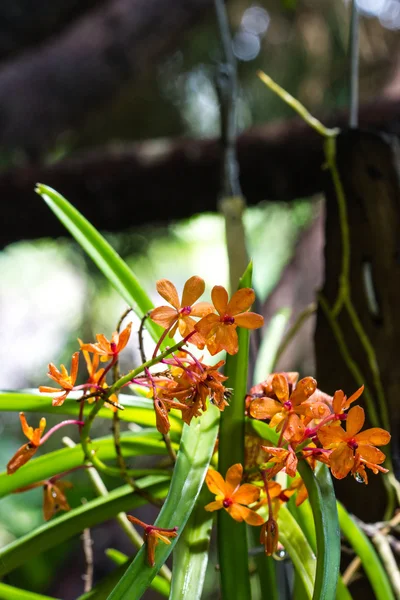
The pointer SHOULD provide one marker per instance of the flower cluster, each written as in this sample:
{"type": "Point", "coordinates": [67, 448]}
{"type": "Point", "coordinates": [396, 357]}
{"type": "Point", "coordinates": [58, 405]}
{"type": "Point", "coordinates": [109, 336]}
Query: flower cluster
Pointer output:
{"type": "Point", "coordinates": [218, 322]}
{"type": "Point", "coordinates": [308, 422]}
{"type": "Point", "coordinates": [185, 385]}
{"type": "Point", "coordinates": [188, 382]}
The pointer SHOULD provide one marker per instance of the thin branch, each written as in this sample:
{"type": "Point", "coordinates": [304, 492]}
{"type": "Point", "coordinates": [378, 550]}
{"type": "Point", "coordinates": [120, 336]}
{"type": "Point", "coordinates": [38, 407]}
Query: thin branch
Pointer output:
{"type": "Point", "coordinates": [350, 572]}
{"type": "Point", "coordinates": [88, 552]}
{"type": "Point", "coordinates": [116, 424]}
{"type": "Point", "coordinates": [227, 92]}
{"type": "Point", "coordinates": [232, 204]}
{"type": "Point", "coordinates": [354, 47]}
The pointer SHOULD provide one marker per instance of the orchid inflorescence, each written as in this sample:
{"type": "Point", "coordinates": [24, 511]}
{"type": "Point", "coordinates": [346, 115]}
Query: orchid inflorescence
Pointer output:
{"type": "Point", "coordinates": [309, 425]}
{"type": "Point", "coordinates": [307, 421]}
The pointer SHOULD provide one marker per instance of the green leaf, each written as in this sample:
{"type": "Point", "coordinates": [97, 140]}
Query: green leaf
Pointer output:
{"type": "Point", "coordinates": [266, 567]}
{"type": "Point", "coordinates": [323, 503]}
{"type": "Point", "coordinates": [263, 430]}
{"type": "Point", "coordinates": [304, 517]}
{"type": "Point", "coordinates": [8, 592]}
{"type": "Point", "coordinates": [73, 522]}
{"type": "Point", "coordinates": [369, 558]}
{"type": "Point", "coordinates": [132, 444]}
{"type": "Point", "coordinates": [191, 552]}
{"type": "Point", "coordinates": [298, 548]}
{"type": "Point", "coordinates": [232, 537]}
{"type": "Point", "coordinates": [195, 452]}
{"type": "Point", "coordinates": [103, 255]}
{"type": "Point", "coordinates": [159, 584]}
{"type": "Point", "coordinates": [137, 410]}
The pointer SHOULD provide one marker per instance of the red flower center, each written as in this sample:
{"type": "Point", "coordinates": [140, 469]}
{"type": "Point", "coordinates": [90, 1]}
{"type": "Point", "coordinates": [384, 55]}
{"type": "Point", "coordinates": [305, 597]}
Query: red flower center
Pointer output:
{"type": "Point", "coordinates": [288, 405]}
{"type": "Point", "coordinates": [113, 346]}
{"type": "Point", "coordinates": [227, 503]}
{"type": "Point", "coordinates": [227, 319]}
{"type": "Point", "coordinates": [186, 310]}
{"type": "Point", "coordinates": [352, 444]}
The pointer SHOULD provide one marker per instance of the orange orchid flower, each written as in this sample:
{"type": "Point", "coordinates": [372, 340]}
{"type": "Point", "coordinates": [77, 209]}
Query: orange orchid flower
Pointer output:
{"type": "Point", "coordinates": [26, 451]}
{"type": "Point", "coordinates": [61, 377]}
{"type": "Point", "coordinates": [340, 402]}
{"type": "Point", "coordinates": [152, 535]}
{"type": "Point", "coordinates": [95, 376]}
{"type": "Point", "coordinates": [232, 496]}
{"type": "Point", "coordinates": [282, 458]}
{"type": "Point", "coordinates": [219, 330]}
{"type": "Point", "coordinates": [182, 313]}
{"type": "Point", "coordinates": [107, 349]}
{"type": "Point", "coordinates": [285, 412]}
{"type": "Point", "coordinates": [351, 447]}
{"type": "Point", "coordinates": [54, 498]}
{"type": "Point", "coordinates": [198, 383]}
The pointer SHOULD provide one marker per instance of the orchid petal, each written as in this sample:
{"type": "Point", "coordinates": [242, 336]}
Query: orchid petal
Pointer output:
{"type": "Point", "coordinates": [355, 420]}
{"type": "Point", "coordinates": [215, 483]}
{"type": "Point", "coordinates": [219, 297]}
{"type": "Point", "coordinates": [242, 513]}
{"type": "Point", "coordinates": [371, 454]}
{"type": "Point", "coordinates": [375, 436]}
{"type": "Point", "coordinates": [240, 301]}
{"type": "Point", "coordinates": [124, 337]}
{"type": "Point", "coordinates": [226, 338]}
{"type": "Point", "coordinates": [330, 435]}
{"type": "Point", "coordinates": [264, 408]}
{"type": "Point", "coordinates": [341, 461]}
{"type": "Point", "coordinates": [249, 320]}
{"type": "Point", "coordinates": [164, 316]}
{"type": "Point", "coordinates": [280, 387]}
{"type": "Point", "coordinates": [213, 506]}
{"type": "Point", "coordinates": [167, 290]}
{"type": "Point", "coordinates": [233, 478]}
{"type": "Point", "coordinates": [207, 324]}
{"type": "Point", "coordinates": [193, 289]}
{"type": "Point", "coordinates": [338, 402]}
{"type": "Point", "coordinates": [246, 494]}
{"type": "Point", "coordinates": [201, 309]}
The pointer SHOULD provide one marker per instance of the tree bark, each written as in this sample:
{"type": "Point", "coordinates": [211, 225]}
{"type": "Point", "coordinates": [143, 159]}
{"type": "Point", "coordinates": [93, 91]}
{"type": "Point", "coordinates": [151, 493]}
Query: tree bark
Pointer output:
{"type": "Point", "coordinates": [369, 169]}
{"type": "Point", "coordinates": [45, 92]}
{"type": "Point", "coordinates": [160, 181]}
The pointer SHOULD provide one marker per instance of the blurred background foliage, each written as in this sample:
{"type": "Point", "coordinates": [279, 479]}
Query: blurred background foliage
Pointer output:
{"type": "Point", "coordinates": [50, 293]}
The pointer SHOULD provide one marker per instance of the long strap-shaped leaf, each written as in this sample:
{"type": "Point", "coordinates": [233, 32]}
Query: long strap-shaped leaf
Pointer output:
{"type": "Point", "coordinates": [369, 559]}
{"type": "Point", "coordinates": [137, 410]}
{"type": "Point", "coordinates": [102, 254]}
{"type": "Point", "coordinates": [323, 503]}
{"type": "Point", "coordinates": [195, 451]}
{"type": "Point", "coordinates": [73, 522]}
{"type": "Point", "coordinates": [132, 444]}
{"type": "Point", "coordinates": [304, 517]}
{"type": "Point", "coordinates": [191, 553]}
{"type": "Point", "coordinates": [298, 548]}
{"type": "Point", "coordinates": [232, 536]}
{"type": "Point", "coordinates": [9, 592]}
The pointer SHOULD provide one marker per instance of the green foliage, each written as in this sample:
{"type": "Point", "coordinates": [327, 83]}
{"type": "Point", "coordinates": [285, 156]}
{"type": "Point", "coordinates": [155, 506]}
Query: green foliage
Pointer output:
{"type": "Point", "coordinates": [181, 456]}
{"type": "Point", "coordinates": [232, 536]}
{"type": "Point", "coordinates": [195, 451]}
